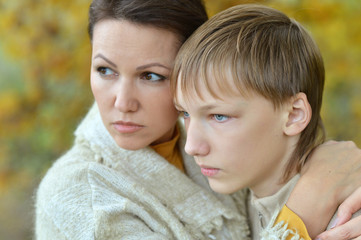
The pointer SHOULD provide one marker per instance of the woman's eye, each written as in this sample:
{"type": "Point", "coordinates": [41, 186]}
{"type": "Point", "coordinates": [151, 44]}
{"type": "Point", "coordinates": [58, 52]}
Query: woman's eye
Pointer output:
{"type": "Point", "coordinates": [152, 77]}
{"type": "Point", "coordinates": [106, 72]}
{"type": "Point", "coordinates": [220, 117]}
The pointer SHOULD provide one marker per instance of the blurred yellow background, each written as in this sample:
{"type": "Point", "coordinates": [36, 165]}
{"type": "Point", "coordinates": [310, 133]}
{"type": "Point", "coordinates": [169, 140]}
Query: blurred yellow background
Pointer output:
{"type": "Point", "coordinates": [44, 85]}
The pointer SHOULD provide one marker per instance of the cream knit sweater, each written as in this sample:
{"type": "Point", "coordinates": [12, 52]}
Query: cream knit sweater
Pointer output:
{"type": "Point", "coordinates": [100, 191]}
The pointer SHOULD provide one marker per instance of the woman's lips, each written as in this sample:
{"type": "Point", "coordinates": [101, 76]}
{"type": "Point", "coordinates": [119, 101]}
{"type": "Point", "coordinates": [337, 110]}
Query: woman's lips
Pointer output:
{"type": "Point", "coordinates": [209, 171]}
{"type": "Point", "coordinates": [127, 127]}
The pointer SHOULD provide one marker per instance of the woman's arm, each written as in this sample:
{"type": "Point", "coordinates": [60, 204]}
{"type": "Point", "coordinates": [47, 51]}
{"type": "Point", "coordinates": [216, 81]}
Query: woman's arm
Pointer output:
{"type": "Point", "coordinates": [344, 227]}
{"type": "Point", "coordinates": [331, 174]}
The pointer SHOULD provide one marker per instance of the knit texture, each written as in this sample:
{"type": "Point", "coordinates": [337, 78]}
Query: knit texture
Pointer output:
{"type": "Point", "coordinates": [100, 191]}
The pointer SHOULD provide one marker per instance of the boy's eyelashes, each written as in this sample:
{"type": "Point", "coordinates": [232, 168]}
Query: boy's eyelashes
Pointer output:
{"type": "Point", "coordinates": [184, 114]}
{"type": "Point", "coordinates": [220, 117]}
{"type": "Point", "coordinates": [216, 117]}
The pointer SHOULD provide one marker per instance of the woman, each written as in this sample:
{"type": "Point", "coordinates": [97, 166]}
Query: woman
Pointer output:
{"type": "Point", "coordinates": [127, 175]}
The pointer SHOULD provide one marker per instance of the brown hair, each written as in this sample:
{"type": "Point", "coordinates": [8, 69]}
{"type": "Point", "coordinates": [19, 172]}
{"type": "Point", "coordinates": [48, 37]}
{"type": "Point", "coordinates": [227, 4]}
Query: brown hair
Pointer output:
{"type": "Point", "coordinates": [257, 49]}
{"type": "Point", "coordinates": [180, 16]}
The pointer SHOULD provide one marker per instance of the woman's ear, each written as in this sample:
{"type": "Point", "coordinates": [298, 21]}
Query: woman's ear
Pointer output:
{"type": "Point", "coordinates": [299, 115]}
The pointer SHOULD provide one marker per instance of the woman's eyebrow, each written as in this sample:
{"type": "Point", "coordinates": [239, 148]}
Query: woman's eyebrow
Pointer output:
{"type": "Point", "coordinates": [152, 65]}
{"type": "Point", "coordinates": [99, 55]}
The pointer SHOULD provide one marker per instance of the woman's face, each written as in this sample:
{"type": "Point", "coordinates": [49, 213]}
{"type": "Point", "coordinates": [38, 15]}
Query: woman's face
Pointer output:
{"type": "Point", "coordinates": [131, 66]}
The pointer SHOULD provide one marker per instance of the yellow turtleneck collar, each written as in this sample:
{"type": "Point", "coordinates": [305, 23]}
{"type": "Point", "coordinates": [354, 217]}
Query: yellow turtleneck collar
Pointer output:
{"type": "Point", "coordinates": [169, 150]}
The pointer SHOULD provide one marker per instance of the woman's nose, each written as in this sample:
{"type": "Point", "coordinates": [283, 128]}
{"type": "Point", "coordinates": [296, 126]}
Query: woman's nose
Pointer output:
{"type": "Point", "coordinates": [126, 99]}
{"type": "Point", "coordinates": [196, 144]}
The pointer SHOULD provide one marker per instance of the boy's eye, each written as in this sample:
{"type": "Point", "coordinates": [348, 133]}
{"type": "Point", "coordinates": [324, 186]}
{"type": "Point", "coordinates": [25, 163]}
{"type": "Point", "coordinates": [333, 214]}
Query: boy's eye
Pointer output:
{"type": "Point", "coordinates": [149, 76]}
{"type": "Point", "coordinates": [106, 72]}
{"type": "Point", "coordinates": [220, 117]}
{"type": "Point", "coordinates": [185, 114]}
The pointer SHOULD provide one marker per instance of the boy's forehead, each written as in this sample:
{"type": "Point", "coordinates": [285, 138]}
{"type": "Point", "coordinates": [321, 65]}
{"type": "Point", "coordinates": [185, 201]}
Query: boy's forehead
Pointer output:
{"type": "Point", "coordinates": [193, 101]}
{"type": "Point", "coordinates": [189, 91]}
{"type": "Point", "coordinates": [200, 91]}
{"type": "Point", "coordinates": [214, 81]}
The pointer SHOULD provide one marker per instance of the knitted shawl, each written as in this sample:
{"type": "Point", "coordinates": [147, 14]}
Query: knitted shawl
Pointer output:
{"type": "Point", "coordinates": [98, 190]}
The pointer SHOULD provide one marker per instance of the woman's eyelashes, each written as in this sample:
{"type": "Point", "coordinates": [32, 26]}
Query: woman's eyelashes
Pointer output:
{"type": "Point", "coordinates": [153, 77]}
{"type": "Point", "coordinates": [106, 72]}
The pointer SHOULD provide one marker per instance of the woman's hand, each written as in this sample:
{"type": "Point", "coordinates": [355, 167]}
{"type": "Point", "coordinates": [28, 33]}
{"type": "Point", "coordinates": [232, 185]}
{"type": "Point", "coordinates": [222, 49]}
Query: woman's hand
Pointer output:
{"type": "Point", "coordinates": [331, 174]}
{"type": "Point", "coordinates": [345, 228]}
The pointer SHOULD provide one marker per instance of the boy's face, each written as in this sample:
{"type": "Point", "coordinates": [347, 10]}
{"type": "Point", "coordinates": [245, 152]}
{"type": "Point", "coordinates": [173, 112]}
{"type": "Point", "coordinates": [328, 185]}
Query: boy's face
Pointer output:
{"type": "Point", "coordinates": [238, 142]}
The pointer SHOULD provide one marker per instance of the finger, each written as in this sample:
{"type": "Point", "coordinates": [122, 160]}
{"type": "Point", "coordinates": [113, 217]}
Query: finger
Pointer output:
{"type": "Point", "coordinates": [347, 231]}
{"type": "Point", "coordinates": [351, 205]}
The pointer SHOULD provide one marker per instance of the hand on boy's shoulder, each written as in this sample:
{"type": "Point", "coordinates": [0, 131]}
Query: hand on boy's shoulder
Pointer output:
{"type": "Point", "coordinates": [335, 164]}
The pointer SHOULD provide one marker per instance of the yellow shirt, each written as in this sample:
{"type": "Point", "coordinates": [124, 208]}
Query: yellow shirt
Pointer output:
{"type": "Point", "coordinates": [169, 150]}
{"type": "Point", "coordinates": [294, 222]}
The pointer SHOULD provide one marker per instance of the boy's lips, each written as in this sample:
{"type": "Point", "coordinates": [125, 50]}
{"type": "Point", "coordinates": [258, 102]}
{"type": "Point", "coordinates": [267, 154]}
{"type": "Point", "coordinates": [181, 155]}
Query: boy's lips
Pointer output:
{"type": "Point", "coordinates": [209, 171]}
{"type": "Point", "coordinates": [126, 127]}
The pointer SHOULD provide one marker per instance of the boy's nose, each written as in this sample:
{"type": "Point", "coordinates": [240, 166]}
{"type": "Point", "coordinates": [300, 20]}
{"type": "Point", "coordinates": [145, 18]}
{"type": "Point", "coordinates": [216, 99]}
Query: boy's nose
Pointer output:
{"type": "Point", "coordinates": [196, 144]}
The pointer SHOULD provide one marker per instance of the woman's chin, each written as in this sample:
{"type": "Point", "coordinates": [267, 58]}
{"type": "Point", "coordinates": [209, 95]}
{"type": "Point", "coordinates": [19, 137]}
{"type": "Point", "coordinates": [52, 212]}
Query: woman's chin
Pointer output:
{"type": "Point", "coordinates": [130, 144]}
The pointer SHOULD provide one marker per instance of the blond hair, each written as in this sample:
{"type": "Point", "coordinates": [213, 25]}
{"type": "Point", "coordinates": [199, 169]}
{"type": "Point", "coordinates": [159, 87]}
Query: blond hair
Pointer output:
{"type": "Point", "coordinates": [256, 49]}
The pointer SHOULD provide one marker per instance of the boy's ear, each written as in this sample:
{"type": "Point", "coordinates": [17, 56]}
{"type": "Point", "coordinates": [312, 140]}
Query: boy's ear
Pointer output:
{"type": "Point", "coordinates": [299, 115]}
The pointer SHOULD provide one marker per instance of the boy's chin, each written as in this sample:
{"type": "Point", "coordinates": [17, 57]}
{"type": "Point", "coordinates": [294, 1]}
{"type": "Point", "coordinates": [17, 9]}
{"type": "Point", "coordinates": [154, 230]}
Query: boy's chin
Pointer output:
{"type": "Point", "coordinates": [223, 188]}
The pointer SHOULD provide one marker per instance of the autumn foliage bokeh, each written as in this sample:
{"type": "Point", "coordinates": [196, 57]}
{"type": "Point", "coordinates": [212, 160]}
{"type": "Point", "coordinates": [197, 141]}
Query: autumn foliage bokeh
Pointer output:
{"type": "Point", "coordinates": [44, 85]}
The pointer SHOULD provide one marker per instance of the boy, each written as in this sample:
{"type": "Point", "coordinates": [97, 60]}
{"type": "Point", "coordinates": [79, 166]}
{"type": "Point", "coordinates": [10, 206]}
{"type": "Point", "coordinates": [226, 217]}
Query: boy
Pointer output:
{"type": "Point", "coordinates": [249, 83]}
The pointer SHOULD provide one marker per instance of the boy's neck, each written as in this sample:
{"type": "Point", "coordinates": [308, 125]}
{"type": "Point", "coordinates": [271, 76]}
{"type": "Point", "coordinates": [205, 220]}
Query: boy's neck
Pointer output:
{"type": "Point", "coordinates": [271, 186]}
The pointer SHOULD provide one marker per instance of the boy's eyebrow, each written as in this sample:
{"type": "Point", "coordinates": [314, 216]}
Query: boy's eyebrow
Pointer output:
{"type": "Point", "coordinates": [177, 106]}
{"type": "Point", "coordinates": [207, 107]}
{"type": "Point", "coordinates": [202, 108]}
{"type": "Point", "coordinates": [99, 55]}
